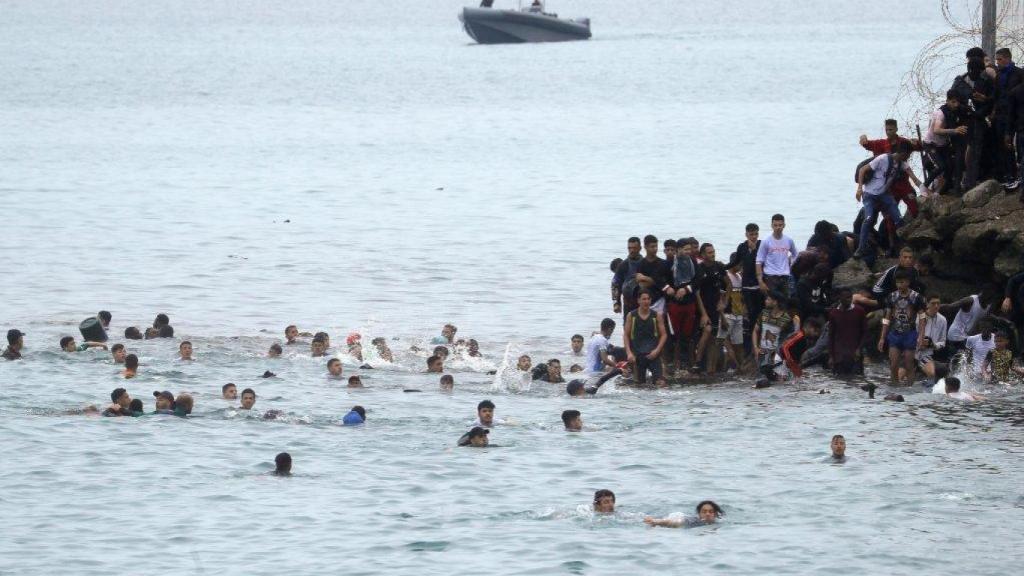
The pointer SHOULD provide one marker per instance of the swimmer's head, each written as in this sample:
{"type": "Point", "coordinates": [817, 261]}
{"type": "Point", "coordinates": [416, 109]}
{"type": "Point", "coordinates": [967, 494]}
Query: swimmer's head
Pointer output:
{"type": "Point", "coordinates": [183, 404]}
{"type": "Point", "coordinates": [554, 369]}
{"type": "Point", "coordinates": [615, 264]}
{"type": "Point", "coordinates": [576, 388]}
{"type": "Point", "coordinates": [576, 343]}
{"type": "Point", "coordinates": [161, 320]}
{"type": "Point", "coordinates": [709, 512]}
{"type": "Point", "coordinates": [604, 501]}
{"type": "Point", "coordinates": [524, 363]}
{"type": "Point", "coordinates": [952, 384]}
{"type": "Point", "coordinates": [573, 420]}
{"type": "Point", "coordinates": [185, 349]}
{"type": "Point", "coordinates": [447, 382]}
{"type": "Point", "coordinates": [104, 317]}
{"type": "Point", "coordinates": [132, 333]}
{"type": "Point", "coordinates": [607, 327]}
{"type": "Point", "coordinates": [135, 406]}
{"type": "Point", "coordinates": [838, 446]}
{"type": "Point", "coordinates": [485, 411]}
{"type": "Point", "coordinates": [441, 352]}
{"type": "Point", "coordinates": [477, 437]}
{"type": "Point", "coordinates": [283, 464]}
{"type": "Point", "coordinates": [354, 381]}
{"type": "Point", "coordinates": [448, 331]}
{"type": "Point", "coordinates": [334, 367]}
{"type": "Point", "coordinates": [291, 333]}
{"type": "Point", "coordinates": [131, 362]}
{"type": "Point", "coordinates": [229, 391]}
{"type": "Point", "coordinates": [435, 364]}
{"type": "Point", "coordinates": [119, 353]}
{"type": "Point", "coordinates": [120, 397]}
{"type": "Point", "coordinates": [67, 344]}
{"type": "Point", "coordinates": [323, 337]}
{"type": "Point", "coordinates": [275, 350]}
{"type": "Point", "coordinates": [317, 347]}
{"type": "Point", "coordinates": [360, 410]}
{"type": "Point", "coordinates": [575, 368]}
{"type": "Point", "coordinates": [164, 400]}
{"type": "Point", "coordinates": [248, 398]}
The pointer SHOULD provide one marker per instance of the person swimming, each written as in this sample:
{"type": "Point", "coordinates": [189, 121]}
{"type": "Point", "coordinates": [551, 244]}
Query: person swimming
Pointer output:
{"type": "Point", "coordinates": [275, 351]}
{"type": "Point", "coordinates": [573, 420]}
{"type": "Point", "coordinates": [447, 383]}
{"type": "Point", "coordinates": [136, 408]}
{"type": "Point", "coordinates": [131, 366]}
{"type": "Point", "coordinates": [164, 402]}
{"type": "Point", "coordinates": [283, 464]}
{"type": "Point", "coordinates": [435, 364]}
{"type": "Point", "coordinates": [707, 513]}
{"type": "Point", "coordinates": [185, 351]}
{"type": "Point", "coordinates": [118, 352]}
{"type": "Point", "coordinates": [248, 399]}
{"type": "Point", "coordinates": [355, 416]}
{"type": "Point", "coordinates": [484, 414]}
{"type": "Point", "coordinates": [950, 386]}
{"type": "Point", "coordinates": [132, 333]}
{"type": "Point", "coordinates": [67, 344]}
{"type": "Point", "coordinates": [183, 405]}
{"type": "Point", "coordinates": [383, 352]}
{"type": "Point", "coordinates": [604, 502]}
{"type": "Point", "coordinates": [334, 368]}
{"type": "Point", "coordinates": [476, 437]}
{"type": "Point", "coordinates": [579, 388]}
{"type": "Point", "coordinates": [120, 405]}
{"type": "Point", "coordinates": [229, 391]}
{"type": "Point", "coordinates": [354, 381]}
{"type": "Point", "coordinates": [524, 364]}
{"type": "Point", "coordinates": [838, 446]}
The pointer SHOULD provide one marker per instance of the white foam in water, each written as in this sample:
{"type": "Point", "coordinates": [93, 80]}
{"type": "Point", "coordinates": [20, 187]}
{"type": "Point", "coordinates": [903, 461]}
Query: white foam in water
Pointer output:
{"type": "Point", "coordinates": [508, 377]}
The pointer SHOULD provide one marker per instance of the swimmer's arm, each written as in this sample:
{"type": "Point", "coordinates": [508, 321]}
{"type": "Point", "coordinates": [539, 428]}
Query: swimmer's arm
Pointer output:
{"type": "Point", "coordinates": [94, 345]}
{"type": "Point", "coordinates": [663, 522]}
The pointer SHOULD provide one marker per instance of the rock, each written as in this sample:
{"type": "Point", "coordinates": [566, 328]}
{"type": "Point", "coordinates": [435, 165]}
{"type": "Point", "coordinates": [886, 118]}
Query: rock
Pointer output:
{"type": "Point", "coordinates": [921, 235]}
{"type": "Point", "coordinates": [852, 274]}
{"type": "Point", "coordinates": [981, 194]}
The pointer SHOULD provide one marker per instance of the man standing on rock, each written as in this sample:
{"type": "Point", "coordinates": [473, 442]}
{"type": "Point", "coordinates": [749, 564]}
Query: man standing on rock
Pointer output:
{"type": "Point", "coordinates": [874, 184]}
{"type": "Point", "coordinates": [901, 190]}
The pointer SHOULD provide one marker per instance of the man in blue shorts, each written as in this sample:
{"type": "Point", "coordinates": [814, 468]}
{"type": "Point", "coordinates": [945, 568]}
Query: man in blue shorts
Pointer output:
{"type": "Point", "coordinates": [899, 327]}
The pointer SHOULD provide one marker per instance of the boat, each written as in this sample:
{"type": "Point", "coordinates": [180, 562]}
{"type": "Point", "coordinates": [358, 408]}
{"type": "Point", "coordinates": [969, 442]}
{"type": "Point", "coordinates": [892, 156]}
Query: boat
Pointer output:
{"type": "Point", "coordinates": [488, 25]}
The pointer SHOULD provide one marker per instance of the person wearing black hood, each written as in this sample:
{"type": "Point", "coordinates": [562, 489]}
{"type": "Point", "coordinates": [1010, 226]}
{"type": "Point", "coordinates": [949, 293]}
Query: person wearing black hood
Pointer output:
{"type": "Point", "coordinates": [976, 92]}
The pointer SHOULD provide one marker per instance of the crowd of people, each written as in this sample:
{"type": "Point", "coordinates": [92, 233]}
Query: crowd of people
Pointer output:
{"type": "Point", "coordinates": [772, 309]}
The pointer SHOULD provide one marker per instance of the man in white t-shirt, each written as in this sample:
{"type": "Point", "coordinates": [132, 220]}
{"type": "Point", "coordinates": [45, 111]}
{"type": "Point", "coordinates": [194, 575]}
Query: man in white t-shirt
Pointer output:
{"type": "Point", "coordinates": [599, 357]}
{"type": "Point", "coordinates": [978, 347]}
{"type": "Point", "coordinates": [873, 183]}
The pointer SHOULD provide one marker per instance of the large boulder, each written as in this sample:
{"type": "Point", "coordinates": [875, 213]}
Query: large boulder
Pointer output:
{"type": "Point", "coordinates": [853, 274]}
{"type": "Point", "coordinates": [981, 194]}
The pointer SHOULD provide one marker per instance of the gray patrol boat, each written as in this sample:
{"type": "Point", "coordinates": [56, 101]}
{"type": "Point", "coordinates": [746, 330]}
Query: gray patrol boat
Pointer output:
{"type": "Point", "coordinates": [487, 25]}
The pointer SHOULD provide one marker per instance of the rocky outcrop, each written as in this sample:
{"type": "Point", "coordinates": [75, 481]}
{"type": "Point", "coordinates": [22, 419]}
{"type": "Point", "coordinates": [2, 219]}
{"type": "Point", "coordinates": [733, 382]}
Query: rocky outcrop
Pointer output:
{"type": "Point", "coordinates": [975, 240]}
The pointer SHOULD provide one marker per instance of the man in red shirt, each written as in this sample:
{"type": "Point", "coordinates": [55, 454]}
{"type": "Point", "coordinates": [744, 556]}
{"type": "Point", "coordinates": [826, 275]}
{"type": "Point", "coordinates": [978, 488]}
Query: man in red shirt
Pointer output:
{"type": "Point", "coordinates": [848, 331]}
{"type": "Point", "coordinates": [901, 189]}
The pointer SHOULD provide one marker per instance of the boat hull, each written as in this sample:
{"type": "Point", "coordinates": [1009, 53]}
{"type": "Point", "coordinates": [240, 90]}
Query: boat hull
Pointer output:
{"type": "Point", "coordinates": [488, 26]}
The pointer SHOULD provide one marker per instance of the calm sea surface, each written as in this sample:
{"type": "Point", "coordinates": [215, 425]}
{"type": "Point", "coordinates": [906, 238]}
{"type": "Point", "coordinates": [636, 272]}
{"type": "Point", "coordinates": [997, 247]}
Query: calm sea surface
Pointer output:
{"type": "Point", "coordinates": [361, 166]}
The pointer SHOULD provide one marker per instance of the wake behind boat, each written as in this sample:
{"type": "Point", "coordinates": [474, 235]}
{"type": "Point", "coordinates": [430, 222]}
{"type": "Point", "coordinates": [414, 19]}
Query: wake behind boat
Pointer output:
{"type": "Point", "coordinates": [531, 24]}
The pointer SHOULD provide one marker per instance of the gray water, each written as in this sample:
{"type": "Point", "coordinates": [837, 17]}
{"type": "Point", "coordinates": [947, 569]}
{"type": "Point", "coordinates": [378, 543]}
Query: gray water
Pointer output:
{"type": "Point", "coordinates": [361, 166]}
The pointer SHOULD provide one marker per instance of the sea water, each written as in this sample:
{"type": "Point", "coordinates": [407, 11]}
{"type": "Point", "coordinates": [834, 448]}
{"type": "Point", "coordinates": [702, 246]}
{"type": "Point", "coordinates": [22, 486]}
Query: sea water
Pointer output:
{"type": "Point", "coordinates": [363, 167]}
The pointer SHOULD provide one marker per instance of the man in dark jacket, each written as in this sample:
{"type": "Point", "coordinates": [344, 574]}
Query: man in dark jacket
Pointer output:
{"type": "Point", "coordinates": [1008, 78]}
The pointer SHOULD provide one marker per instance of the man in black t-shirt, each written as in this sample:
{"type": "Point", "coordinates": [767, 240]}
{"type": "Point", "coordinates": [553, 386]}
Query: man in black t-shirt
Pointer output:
{"type": "Point", "coordinates": [712, 287]}
{"type": "Point", "coordinates": [652, 273]}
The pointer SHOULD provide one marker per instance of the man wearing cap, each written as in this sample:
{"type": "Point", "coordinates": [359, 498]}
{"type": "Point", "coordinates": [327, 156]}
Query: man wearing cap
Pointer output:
{"type": "Point", "coordinates": [477, 437]}
{"type": "Point", "coordinates": [164, 402]}
{"type": "Point", "coordinates": [15, 342]}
